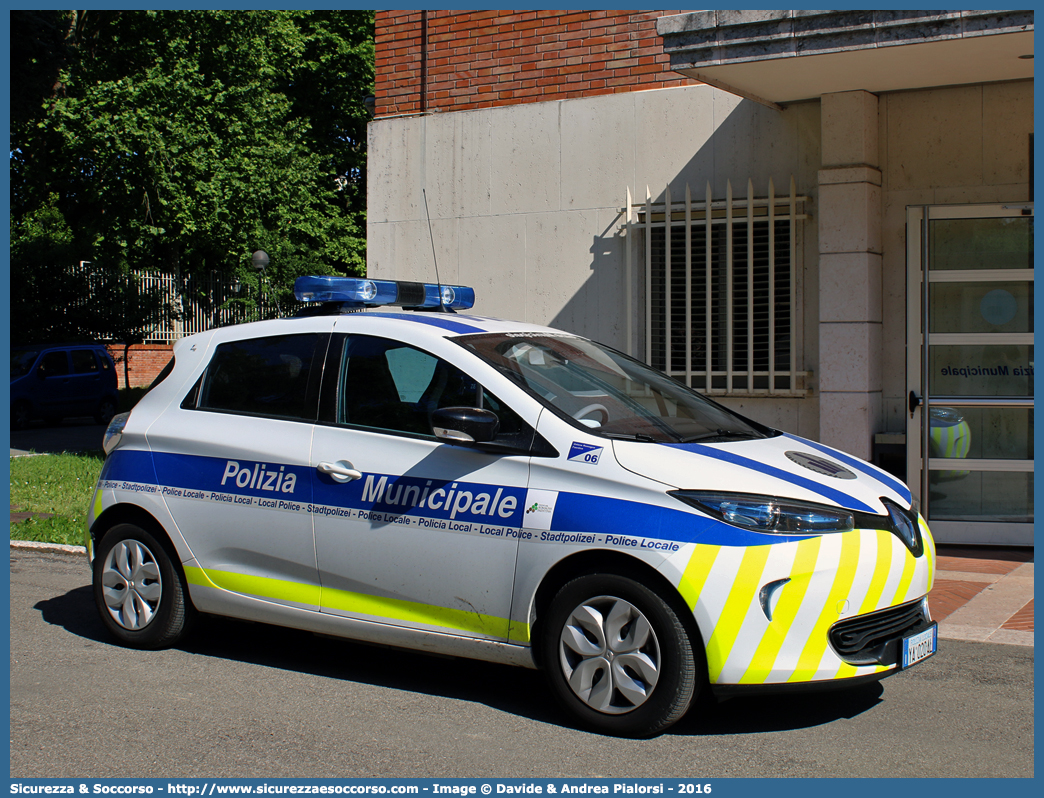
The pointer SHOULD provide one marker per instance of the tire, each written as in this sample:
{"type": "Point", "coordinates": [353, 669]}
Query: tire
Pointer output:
{"type": "Point", "coordinates": [21, 415]}
{"type": "Point", "coordinates": [617, 656]}
{"type": "Point", "coordinates": [139, 590]}
{"type": "Point", "coordinates": [106, 410]}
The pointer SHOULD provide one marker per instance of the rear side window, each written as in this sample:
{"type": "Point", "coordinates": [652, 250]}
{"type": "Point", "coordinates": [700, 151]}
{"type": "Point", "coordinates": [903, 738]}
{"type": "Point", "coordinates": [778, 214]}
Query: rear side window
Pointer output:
{"type": "Point", "coordinates": [264, 377]}
{"type": "Point", "coordinates": [83, 361]}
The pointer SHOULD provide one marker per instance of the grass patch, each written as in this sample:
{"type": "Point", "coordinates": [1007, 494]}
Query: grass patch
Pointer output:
{"type": "Point", "coordinates": [59, 484]}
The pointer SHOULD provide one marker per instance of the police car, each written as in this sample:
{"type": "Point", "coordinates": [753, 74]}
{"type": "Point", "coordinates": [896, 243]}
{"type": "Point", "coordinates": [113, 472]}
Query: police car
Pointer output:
{"type": "Point", "coordinates": [384, 469]}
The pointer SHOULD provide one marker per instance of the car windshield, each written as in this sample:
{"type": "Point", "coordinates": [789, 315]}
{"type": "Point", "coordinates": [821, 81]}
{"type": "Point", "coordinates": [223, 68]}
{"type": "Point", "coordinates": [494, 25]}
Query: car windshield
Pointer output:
{"type": "Point", "coordinates": [608, 392]}
{"type": "Point", "coordinates": [21, 361]}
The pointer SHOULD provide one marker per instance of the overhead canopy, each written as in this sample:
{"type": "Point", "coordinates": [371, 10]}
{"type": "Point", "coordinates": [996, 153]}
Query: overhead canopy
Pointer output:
{"type": "Point", "coordinates": [785, 56]}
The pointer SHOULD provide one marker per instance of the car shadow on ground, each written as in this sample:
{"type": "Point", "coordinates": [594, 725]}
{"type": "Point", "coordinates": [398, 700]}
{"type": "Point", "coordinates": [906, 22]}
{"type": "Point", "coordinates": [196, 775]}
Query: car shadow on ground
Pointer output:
{"type": "Point", "coordinates": [517, 691]}
{"type": "Point", "coordinates": [71, 435]}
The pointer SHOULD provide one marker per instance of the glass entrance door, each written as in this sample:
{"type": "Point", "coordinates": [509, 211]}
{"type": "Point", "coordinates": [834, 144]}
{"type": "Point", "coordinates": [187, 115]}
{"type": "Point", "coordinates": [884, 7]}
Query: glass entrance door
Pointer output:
{"type": "Point", "coordinates": [970, 370]}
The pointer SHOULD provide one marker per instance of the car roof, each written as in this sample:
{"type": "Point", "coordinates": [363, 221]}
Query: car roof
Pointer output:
{"type": "Point", "coordinates": [45, 347]}
{"type": "Point", "coordinates": [452, 324]}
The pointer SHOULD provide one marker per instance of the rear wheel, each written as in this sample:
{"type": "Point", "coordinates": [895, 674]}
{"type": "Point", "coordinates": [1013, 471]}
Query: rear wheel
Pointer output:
{"type": "Point", "coordinates": [617, 656]}
{"type": "Point", "coordinates": [139, 590]}
{"type": "Point", "coordinates": [106, 410]}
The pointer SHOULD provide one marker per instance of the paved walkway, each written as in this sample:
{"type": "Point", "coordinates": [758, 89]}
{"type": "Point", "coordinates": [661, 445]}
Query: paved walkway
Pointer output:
{"type": "Point", "coordinates": [984, 594]}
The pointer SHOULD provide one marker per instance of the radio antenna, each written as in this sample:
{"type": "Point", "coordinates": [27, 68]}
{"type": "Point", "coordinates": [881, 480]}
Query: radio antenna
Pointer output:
{"type": "Point", "coordinates": [434, 258]}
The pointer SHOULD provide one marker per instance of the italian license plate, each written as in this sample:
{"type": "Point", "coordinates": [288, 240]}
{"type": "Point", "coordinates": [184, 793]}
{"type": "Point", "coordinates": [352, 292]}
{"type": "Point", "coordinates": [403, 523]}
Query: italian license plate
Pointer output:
{"type": "Point", "coordinates": [920, 646]}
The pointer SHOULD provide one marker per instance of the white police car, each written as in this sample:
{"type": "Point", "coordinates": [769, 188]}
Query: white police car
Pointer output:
{"type": "Point", "coordinates": [502, 491]}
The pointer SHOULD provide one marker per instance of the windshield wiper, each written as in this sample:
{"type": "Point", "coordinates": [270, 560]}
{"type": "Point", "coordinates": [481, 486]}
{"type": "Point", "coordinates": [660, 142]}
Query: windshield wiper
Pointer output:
{"type": "Point", "coordinates": [630, 436]}
{"type": "Point", "coordinates": [724, 435]}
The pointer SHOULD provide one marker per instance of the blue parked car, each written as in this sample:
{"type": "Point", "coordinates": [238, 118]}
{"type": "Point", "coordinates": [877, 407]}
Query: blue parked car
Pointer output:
{"type": "Point", "coordinates": [57, 381]}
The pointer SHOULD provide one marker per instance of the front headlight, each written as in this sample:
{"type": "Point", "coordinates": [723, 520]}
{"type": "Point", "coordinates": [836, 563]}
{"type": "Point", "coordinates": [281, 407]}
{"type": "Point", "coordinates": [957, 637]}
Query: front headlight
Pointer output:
{"type": "Point", "coordinates": [769, 513]}
{"type": "Point", "coordinates": [780, 516]}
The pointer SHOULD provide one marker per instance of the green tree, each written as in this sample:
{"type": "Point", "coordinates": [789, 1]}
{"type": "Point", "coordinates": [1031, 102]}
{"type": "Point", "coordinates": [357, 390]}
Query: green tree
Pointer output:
{"type": "Point", "coordinates": [188, 139]}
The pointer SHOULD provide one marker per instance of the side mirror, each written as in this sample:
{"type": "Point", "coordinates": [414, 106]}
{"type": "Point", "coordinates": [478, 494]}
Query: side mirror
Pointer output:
{"type": "Point", "coordinates": [464, 426]}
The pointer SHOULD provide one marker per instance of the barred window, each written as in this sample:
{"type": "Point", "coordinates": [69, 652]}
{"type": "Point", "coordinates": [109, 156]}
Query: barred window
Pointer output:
{"type": "Point", "coordinates": [720, 296]}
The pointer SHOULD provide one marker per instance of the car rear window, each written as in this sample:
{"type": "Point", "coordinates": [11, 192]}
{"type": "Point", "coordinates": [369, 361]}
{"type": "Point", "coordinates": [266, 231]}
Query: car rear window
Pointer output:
{"type": "Point", "coordinates": [262, 377]}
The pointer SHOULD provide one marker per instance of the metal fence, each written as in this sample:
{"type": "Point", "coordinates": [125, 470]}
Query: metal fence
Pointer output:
{"type": "Point", "coordinates": [189, 303]}
{"type": "Point", "coordinates": [200, 303]}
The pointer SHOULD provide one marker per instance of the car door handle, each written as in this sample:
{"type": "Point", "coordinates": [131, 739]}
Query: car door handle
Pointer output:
{"type": "Point", "coordinates": [341, 471]}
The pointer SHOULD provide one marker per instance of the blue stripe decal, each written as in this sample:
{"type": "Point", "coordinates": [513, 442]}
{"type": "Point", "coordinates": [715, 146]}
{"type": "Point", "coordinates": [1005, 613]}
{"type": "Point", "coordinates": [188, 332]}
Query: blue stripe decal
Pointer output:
{"type": "Point", "coordinates": [836, 496]}
{"type": "Point", "coordinates": [131, 465]}
{"type": "Point", "coordinates": [442, 503]}
{"type": "Point", "coordinates": [853, 462]}
{"type": "Point", "coordinates": [586, 514]}
{"type": "Point", "coordinates": [434, 319]}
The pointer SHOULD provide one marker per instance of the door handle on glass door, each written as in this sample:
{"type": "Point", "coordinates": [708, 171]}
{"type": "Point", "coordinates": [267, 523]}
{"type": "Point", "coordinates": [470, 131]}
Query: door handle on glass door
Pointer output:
{"type": "Point", "coordinates": [915, 402]}
{"type": "Point", "coordinates": [341, 471]}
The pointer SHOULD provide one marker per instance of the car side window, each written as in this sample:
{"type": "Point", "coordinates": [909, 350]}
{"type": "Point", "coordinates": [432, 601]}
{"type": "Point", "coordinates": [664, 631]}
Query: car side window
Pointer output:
{"type": "Point", "coordinates": [54, 364]}
{"type": "Point", "coordinates": [261, 377]}
{"type": "Point", "coordinates": [83, 361]}
{"type": "Point", "coordinates": [390, 385]}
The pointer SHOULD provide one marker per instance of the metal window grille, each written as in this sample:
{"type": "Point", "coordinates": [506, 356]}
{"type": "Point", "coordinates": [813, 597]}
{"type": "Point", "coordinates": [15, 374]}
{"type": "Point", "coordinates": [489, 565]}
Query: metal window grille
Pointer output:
{"type": "Point", "coordinates": [720, 286]}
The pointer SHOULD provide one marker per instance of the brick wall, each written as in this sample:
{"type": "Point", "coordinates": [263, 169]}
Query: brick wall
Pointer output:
{"type": "Point", "coordinates": [482, 59]}
{"type": "Point", "coordinates": [144, 362]}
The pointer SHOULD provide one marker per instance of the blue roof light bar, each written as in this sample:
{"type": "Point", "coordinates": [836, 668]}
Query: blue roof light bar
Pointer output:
{"type": "Point", "coordinates": [361, 292]}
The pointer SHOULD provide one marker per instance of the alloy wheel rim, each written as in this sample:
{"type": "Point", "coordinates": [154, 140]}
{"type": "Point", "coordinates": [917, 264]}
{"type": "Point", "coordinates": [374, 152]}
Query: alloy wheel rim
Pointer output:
{"type": "Point", "coordinates": [609, 655]}
{"type": "Point", "coordinates": [131, 584]}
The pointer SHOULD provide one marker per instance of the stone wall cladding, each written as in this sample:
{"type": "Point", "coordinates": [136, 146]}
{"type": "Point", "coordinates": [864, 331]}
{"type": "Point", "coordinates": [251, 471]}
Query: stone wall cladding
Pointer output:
{"type": "Point", "coordinates": [483, 59]}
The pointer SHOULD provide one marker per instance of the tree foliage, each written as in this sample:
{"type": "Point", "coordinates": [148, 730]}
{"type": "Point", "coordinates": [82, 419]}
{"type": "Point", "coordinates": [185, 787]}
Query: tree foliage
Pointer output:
{"type": "Point", "coordinates": [188, 139]}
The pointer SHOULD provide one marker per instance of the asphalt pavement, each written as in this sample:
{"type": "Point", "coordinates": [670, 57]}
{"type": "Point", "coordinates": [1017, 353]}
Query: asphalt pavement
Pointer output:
{"type": "Point", "coordinates": [72, 435]}
{"type": "Point", "coordinates": [244, 700]}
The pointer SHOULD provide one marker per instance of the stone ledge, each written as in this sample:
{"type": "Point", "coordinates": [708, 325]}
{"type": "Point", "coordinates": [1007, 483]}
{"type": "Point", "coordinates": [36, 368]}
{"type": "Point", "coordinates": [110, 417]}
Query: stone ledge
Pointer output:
{"type": "Point", "coordinates": [849, 174]}
{"type": "Point", "coordinates": [709, 38]}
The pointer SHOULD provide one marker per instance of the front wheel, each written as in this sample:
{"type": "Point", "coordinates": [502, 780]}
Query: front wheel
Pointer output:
{"type": "Point", "coordinates": [617, 656]}
{"type": "Point", "coordinates": [139, 590]}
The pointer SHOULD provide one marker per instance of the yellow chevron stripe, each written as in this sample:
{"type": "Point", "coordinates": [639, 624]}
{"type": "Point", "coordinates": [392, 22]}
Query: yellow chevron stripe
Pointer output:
{"type": "Point", "coordinates": [883, 542]}
{"type": "Point", "coordinates": [739, 601]}
{"type": "Point", "coordinates": [696, 572]}
{"type": "Point", "coordinates": [791, 597]}
{"type": "Point", "coordinates": [903, 590]}
{"type": "Point", "coordinates": [815, 647]}
{"type": "Point", "coordinates": [929, 550]}
{"type": "Point", "coordinates": [97, 503]}
{"type": "Point", "coordinates": [882, 569]}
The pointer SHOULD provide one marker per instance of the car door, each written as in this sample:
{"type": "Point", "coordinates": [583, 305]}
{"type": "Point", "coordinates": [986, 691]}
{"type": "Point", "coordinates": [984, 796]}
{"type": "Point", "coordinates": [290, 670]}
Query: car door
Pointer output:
{"type": "Point", "coordinates": [50, 393]}
{"type": "Point", "coordinates": [232, 463]}
{"type": "Point", "coordinates": [411, 531]}
{"type": "Point", "coordinates": [85, 383]}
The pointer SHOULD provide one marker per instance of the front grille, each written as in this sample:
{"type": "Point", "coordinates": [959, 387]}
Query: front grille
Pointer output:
{"type": "Point", "coordinates": [874, 638]}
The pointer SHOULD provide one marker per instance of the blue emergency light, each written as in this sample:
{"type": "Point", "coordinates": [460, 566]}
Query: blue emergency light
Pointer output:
{"type": "Point", "coordinates": [360, 292]}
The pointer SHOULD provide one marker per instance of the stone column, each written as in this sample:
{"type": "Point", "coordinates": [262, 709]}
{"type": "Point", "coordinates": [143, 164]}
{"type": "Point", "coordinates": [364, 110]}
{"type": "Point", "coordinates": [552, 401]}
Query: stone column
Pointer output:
{"type": "Point", "coordinates": [850, 273]}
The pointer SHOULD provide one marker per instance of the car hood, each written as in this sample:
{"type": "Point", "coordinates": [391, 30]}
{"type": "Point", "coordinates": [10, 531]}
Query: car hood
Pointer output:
{"type": "Point", "coordinates": [785, 466]}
